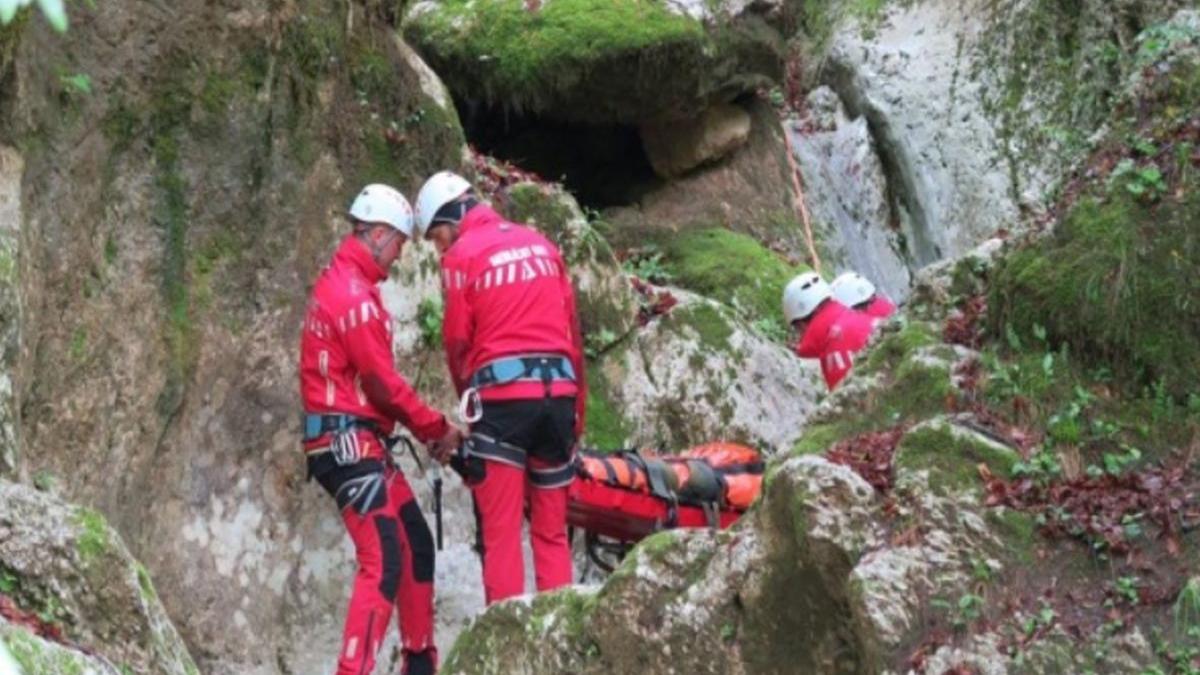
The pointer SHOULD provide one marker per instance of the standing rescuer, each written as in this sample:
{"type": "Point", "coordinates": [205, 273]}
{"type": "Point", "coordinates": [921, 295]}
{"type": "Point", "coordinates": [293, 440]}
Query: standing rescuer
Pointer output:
{"type": "Point", "coordinates": [514, 350]}
{"type": "Point", "coordinates": [352, 398]}
{"type": "Point", "coordinates": [856, 292]}
{"type": "Point", "coordinates": [828, 330]}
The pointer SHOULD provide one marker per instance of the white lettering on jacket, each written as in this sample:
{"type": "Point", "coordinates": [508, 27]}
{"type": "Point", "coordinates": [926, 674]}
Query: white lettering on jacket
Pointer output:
{"type": "Point", "coordinates": [521, 264]}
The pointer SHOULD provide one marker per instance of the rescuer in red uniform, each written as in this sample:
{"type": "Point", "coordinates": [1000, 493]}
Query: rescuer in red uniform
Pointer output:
{"type": "Point", "coordinates": [515, 353]}
{"type": "Point", "coordinates": [856, 292]}
{"type": "Point", "coordinates": [352, 398]}
{"type": "Point", "coordinates": [828, 330]}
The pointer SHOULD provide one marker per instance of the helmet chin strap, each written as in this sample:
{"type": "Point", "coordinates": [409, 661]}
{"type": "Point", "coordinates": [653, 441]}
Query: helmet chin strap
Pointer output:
{"type": "Point", "coordinates": [377, 249]}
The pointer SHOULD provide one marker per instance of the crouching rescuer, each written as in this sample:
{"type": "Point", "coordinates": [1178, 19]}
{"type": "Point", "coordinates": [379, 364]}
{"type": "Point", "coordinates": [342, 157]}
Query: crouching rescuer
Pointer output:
{"type": "Point", "coordinates": [514, 350]}
{"type": "Point", "coordinates": [352, 398]}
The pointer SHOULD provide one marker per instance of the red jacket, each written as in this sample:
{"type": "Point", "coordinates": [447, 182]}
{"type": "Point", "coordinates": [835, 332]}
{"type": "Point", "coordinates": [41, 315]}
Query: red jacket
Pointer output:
{"type": "Point", "coordinates": [346, 362]}
{"type": "Point", "coordinates": [879, 307]}
{"type": "Point", "coordinates": [508, 293]}
{"type": "Point", "coordinates": [834, 335]}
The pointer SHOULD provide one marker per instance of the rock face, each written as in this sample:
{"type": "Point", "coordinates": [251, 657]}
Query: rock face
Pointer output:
{"type": "Point", "coordinates": [12, 168]}
{"type": "Point", "coordinates": [970, 115]}
{"type": "Point", "coordinates": [847, 194]}
{"type": "Point", "coordinates": [601, 62]}
{"type": "Point", "coordinates": [66, 565]}
{"type": "Point", "coordinates": [172, 221]}
{"type": "Point", "coordinates": [921, 99]}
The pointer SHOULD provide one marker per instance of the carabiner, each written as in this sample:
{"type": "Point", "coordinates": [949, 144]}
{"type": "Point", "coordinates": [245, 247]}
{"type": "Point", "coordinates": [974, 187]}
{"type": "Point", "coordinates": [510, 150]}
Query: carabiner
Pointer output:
{"type": "Point", "coordinates": [470, 407]}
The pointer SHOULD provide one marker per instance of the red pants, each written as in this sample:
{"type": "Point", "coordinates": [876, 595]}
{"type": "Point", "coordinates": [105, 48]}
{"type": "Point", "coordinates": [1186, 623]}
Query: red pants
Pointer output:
{"type": "Point", "coordinates": [500, 501]}
{"type": "Point", "coordinates": [395, 569]}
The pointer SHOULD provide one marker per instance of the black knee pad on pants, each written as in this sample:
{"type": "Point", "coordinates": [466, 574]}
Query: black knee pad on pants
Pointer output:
{"type": "Point", "coordinates": [389, 546]}
{"type": "Point", "coordinates": [420, 541]}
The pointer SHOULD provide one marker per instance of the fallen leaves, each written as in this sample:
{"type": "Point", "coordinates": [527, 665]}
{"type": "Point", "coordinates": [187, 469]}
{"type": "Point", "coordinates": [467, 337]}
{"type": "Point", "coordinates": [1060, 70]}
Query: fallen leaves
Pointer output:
{"type": "Point", "coordinates": [1109, 510]}
{"type": "Point", "coordinates": [654, 302]}
{"type": "Point", "coordinates": [870, 455]}
{"type": "Point", "coordinates": [963, 326]}
{"type": "Point", "coordinates": [30, 620]}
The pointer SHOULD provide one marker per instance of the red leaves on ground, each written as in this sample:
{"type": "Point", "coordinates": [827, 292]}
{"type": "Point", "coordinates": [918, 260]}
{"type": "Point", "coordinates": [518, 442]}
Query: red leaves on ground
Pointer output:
{"type": "Point", "coordinates": [961, 669]}
{"type": "Point", "coordinates": [1105, 508]}
{"type": "Point", "coordinates": [962, 326]}
{"type": "Point", "coordinates": [14, 614]}
{"type": "Point", "coordinates": [493, 175]}
{"type": "Point", "coordinates": [655, 302]}
{"type": "Point", "coordinates": [870, 455]}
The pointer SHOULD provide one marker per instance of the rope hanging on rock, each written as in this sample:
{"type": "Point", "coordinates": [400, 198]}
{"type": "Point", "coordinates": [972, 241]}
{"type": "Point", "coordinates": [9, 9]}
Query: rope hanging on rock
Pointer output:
{"type": "Point", "coordinates": [798, 202]}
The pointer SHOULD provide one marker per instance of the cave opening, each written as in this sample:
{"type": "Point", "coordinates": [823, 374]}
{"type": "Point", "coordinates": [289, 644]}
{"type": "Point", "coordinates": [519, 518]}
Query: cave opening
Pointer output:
{"type": "Point", "coordinates": [602, 165]}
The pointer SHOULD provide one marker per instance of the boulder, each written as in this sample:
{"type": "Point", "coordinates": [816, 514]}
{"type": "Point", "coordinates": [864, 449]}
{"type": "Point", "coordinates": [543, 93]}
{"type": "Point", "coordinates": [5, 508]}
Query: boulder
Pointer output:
{"type": "Point", "coordinates": [749, 191]}
{"type": "Point", "coordinates": [66, 566]}
{"type": "Point", "coordinates": [675, 146]}
{"type": "Point", "coordinates": [596, 61]}
{"type": "Point", "coordinates": [700, 374]}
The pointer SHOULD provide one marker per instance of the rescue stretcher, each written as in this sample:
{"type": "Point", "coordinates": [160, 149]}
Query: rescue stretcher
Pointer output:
{"type": "Point", "coordinates": [619, 498]}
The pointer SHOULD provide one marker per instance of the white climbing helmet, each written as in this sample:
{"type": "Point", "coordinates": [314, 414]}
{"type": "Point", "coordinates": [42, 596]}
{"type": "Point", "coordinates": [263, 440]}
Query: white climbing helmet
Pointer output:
{"type": "Point", "coordinates": [442, 188]}
{"type": "Point", "coordinates": [379, 203]}
{"type": "Point", "coordinates": [803, 294]}
{"type": "Point", "coordinates": [851, 289]}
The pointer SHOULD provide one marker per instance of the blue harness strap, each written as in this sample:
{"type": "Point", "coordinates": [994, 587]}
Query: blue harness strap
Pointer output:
{"type": "Point", "coordinates": [317, 425]}
{"type": "Point", "coordinates": [528, 368]}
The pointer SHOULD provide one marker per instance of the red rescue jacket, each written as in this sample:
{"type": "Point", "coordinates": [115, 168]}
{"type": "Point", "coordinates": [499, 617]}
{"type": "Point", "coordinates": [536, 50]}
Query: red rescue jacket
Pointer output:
{"type": "Point", "coordinates": [508, 293]}
{"type": "Point", "coordinates": [879, 307]}
{"type": "Point", "coordinates": [346, 362]}
{"type": "Point", "coordinates": [834, 335]}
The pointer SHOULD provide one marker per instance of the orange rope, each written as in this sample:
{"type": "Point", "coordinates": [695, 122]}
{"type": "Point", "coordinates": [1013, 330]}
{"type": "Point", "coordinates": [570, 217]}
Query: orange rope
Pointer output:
{"type": "Point", "coordinates": [798, 202]}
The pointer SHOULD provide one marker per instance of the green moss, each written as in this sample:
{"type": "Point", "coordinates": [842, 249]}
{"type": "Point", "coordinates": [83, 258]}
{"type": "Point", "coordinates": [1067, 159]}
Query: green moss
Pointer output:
{"type": "Point", "coordinates": [145, 583]}
{"type": "Point", "coordinates": [912, 392]}
{"type": "Point", "coordinates": [37, 656]}
{"type": "Point", "coordinates": [504, 53]}
{"type": "Point", "coordinates": [818, 438]}
{"type": "Point", "coordinates": [10, 38]}
{"type": "Point", "coordinates": [1117, 282]}
{"type": "Point", "coordinates": [1017, 532]}
{"type": "Point", "coordinates": [657, 546]}
{"type": "Point", "coordinates": [704, 321]}
{"type": "Point", "coordinates": [607, 429]}
{"type": "Point", "coordinates": [951, 459]}
{"type": "Point", "coordinates": [545, 208]}
{"type": "Point", "coordinates": [172, 218]}
{"type": "Point", "coordinates": [93, 539]}
{"type": "Point", "coordinates": [730, 267]}
{"type": "Point", "coordinates": [921, 390]}
{"type": "Point", "coordinates": [895, 348]}
{"type": "Point", "coordinates": [312, 43]}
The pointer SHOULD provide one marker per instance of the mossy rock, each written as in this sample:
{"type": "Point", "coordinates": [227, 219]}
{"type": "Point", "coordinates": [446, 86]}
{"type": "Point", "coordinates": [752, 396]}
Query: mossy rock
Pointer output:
{"type": "Point", "coordinates": [67, 565]}
{"type": "Point", "coordinates": [593, 60]}
{"type": "Point", "coordinates": [952, 457]}
{"type": "Point", "coordinates": [36, 655]}
{"type": "Point", "coordinates": [732, 268]}
{"type": "Point", "coordinates": [516, 632]}
{"type": "Point", "coordinates": [607, 429]}
{"type": "Point", "coordinates": [1118, 281]}
{"type": "Point", "coordinates": [907, 380]}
